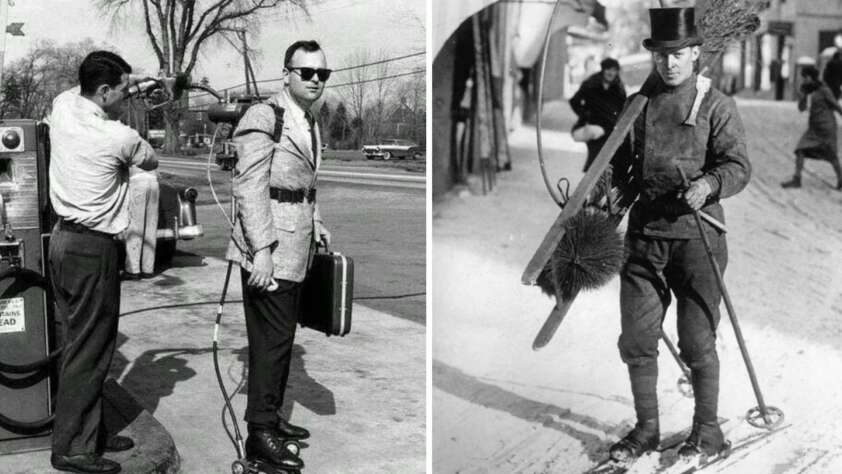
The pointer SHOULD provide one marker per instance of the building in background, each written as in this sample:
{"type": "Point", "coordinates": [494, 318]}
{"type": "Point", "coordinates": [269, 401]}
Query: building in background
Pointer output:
{"type": "Point", "coordinates": [486, 57]}
{"type": "Point", "coordinates": [792, 33]}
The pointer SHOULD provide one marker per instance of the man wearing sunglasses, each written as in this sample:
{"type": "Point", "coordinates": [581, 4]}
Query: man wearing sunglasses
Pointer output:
{"type": "Point", "coordinates": [277, 228]}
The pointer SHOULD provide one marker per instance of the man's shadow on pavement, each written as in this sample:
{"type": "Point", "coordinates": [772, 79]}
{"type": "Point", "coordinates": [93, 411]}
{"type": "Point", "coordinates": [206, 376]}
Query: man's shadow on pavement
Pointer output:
{"type": "Point", "coordinates": [155, 374]}
{"type": "Point", "coordinates": [301, 388]}
{"type": "Point", "coordinates": [472, 389]}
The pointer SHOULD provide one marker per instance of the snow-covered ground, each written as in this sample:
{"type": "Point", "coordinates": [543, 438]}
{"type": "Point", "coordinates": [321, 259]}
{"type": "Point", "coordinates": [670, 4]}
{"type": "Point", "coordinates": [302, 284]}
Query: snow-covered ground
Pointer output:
{"type": "Point", "coordinates": [500, 407]}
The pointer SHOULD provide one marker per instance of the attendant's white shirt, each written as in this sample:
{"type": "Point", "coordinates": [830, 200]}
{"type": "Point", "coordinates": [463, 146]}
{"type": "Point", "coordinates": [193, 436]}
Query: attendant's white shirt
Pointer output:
{"type": "Point", "coordinates": [90, 157]}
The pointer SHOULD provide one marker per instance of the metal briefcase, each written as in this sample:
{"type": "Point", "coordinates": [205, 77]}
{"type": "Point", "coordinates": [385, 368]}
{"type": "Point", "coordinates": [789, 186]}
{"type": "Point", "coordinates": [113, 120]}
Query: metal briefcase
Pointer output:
{"type": "Point", "coordinates": [328, 294]}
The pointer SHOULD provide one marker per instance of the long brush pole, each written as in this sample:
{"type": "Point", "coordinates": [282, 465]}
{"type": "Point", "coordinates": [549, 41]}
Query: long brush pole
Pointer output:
{"type": "Point", "coordinates": [731, 313]}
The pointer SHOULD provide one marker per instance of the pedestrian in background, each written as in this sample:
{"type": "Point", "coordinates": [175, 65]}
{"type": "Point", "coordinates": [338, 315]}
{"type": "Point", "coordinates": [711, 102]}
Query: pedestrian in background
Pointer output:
{"type": "Point", "coordinates": [141, 236]}
{"type": "Point", "coordinates": [819, 141]}
{"type": "Point", "coordinates": [598, 103]}
{"type": "Point", "coordinates": [832, 75]}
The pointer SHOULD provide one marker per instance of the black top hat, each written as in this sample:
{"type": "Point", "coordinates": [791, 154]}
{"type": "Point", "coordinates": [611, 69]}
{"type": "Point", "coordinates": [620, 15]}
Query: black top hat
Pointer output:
{"type": "Point", "coordinates": [672, 29]}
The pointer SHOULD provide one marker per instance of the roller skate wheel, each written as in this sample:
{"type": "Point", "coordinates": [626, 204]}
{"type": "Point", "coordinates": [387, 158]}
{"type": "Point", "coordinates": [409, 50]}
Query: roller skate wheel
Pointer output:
{"type": "Point", "coordinates": [239, 467]}
{"type": "Point", "coordinates": [293, 447]}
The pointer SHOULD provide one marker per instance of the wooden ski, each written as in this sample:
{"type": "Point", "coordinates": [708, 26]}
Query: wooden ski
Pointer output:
{"type": "Point", "coordinates": [545, 334]}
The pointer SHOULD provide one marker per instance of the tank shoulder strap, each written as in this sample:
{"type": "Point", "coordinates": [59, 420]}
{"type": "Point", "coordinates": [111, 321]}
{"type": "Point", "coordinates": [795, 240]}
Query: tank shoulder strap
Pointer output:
{"type": "Point", "coordinates": [279, 121]}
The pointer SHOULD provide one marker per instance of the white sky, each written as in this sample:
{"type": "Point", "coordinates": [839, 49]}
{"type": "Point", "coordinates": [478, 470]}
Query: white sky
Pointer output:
{"type": "Point", "coordinates": [341, 26]}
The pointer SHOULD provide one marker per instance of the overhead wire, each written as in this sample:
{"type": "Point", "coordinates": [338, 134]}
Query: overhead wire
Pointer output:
{"type": "Point", "coordinates": [343, 69]}
{"type": "Point", "coordinates": [197, 108]}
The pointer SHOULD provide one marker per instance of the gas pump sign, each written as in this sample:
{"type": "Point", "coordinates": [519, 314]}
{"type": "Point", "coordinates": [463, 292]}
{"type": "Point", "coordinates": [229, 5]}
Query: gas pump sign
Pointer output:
{"type": "Point", "coordinates": [12, 315]}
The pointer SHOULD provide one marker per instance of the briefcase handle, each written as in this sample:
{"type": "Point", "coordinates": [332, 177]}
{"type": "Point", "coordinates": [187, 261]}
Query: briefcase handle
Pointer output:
{"type": "Point", "coordinates": [320, 244]}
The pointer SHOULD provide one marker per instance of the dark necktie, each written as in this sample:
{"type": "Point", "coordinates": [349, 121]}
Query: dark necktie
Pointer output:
{"type": "Point", "coordinates": [313, 140]}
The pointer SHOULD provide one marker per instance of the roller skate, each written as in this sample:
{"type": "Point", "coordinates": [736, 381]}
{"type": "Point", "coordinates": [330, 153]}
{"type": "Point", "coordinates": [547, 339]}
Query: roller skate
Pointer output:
{"type": "Point", "coordinates": [267, 452]}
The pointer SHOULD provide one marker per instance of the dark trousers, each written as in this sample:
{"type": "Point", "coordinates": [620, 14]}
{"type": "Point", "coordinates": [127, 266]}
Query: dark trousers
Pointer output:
{"type": "Point", "coordinates": [271, 318]}
{"type": "Point", "coordinates": [656, 267]}
{"type": "Point", "coordinates": [85, 276]}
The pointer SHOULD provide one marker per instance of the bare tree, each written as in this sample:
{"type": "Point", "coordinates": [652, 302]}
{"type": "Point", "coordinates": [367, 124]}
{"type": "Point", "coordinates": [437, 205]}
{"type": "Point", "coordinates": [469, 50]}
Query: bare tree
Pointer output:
{"type": "Point", "coordinates": [32, 82]}
{"type": "Point", "coordinates": [177, 31]}
{"type": "Point", "coordinates": [367, 91]}
{"type": "Point", "coordinates": [412, 94]}
{"type": "Point", "coordinates": [382, 89]}
{"type": "Point", "coordinates": [356, 92]}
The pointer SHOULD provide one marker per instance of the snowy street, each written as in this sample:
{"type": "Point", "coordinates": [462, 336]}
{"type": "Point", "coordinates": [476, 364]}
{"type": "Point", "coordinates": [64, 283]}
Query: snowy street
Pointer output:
{"type": "Point", "coordinates": [498, 406]}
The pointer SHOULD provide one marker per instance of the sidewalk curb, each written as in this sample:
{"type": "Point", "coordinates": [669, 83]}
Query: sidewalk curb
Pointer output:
{"type": "Point", "coordinates": [154, 451]}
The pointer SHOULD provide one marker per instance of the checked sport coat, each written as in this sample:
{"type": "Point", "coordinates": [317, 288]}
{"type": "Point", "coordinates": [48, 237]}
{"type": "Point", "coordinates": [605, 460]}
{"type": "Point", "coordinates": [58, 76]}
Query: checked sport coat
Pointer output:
{"type": "Point", "coordinates": [291, 164]}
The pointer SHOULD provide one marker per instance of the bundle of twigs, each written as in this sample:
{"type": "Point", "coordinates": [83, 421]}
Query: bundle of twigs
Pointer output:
{"type": "Point", "coordinates": [726, 21]}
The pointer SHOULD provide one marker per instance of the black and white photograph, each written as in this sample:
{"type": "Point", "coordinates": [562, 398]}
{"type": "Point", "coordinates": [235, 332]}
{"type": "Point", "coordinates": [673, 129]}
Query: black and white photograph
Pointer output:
{"type": "Point", "coordinates": [636, 236]}
{"type": "Point", "coordinates": [214, 241]}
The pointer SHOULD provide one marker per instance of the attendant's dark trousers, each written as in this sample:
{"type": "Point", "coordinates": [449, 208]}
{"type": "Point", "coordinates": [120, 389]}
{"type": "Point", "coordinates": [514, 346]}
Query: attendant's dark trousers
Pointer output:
{"type": "Point", "coordinates": [84, 269]}
{"type": "Point", "coordinates": [271, 318]}
{"type": "Point", "coordinates": [656, 267]}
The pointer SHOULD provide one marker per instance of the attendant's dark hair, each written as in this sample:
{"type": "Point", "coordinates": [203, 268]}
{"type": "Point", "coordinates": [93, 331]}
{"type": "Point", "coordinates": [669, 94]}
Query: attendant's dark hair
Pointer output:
{"type": "Point", "coordinates": [811, 72]}
{"type": "Point", "coordinates": [609, 63]}
{"type": "Point", "coordinates": [309, 46]}
{"type": "Point", "coordinates": [101, 67]}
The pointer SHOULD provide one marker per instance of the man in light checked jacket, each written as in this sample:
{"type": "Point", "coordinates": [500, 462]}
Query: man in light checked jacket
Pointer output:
{"type": "Point", "coordinates": [276, 229]}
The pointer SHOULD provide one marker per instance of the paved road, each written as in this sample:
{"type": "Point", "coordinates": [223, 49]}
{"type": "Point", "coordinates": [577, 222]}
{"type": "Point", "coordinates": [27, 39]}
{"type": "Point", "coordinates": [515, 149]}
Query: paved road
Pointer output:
{"type": "Point", "coordinates": [376, 218]}
{"type": "Point", "coordinates": [328, 172]}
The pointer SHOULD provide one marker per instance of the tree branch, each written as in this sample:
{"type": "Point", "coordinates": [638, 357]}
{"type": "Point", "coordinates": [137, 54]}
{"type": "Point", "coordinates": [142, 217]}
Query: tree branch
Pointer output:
{"type": "Point", "coordinates": [256, 5]}
{"type": "Point", "coordinates": [194, 55]}
{"type": "Point", "coordinates": [150, 33]}
{"type": "Point", "coordinates": [173, 35]}
{"type": "Point", "coordinates": [189, 8]}
{"type": "Point", "coordinates": [221, 4]}
{"type": "Point", "coordinates": [182, 24]}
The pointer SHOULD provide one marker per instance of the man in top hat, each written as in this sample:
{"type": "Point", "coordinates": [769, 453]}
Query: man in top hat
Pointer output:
{"type": "Point", "coordinates": [665, 252]}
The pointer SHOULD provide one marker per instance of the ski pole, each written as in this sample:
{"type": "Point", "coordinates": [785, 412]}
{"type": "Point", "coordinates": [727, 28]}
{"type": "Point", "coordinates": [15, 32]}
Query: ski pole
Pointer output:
{"type": "Point", "coordinates": [686, 370]}
{"type": "Point", "coordinates": [763, 409]}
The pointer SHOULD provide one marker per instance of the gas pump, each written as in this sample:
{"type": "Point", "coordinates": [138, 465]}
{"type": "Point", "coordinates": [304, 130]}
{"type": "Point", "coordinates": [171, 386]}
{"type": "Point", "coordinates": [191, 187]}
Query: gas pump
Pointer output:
{"type": "Point", "coordinates": [26, 323]}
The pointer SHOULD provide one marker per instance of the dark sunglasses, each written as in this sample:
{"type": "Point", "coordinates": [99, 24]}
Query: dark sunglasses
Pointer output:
{"type": "Point", "coordinates": [307, 73]}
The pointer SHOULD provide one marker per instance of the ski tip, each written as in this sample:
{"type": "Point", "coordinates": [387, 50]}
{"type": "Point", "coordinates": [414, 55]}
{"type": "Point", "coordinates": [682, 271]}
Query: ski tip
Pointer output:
{"type": "Point", "coordinates": [538, 344]}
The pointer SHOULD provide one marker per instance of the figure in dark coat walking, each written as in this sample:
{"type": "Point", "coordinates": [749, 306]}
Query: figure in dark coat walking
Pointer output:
{"type": "Point", "coordinates": [819, 141]}
{"type": "Point", "coordinates": [598, 103]}
{"type": "Point", "coordinates": [832, 75]}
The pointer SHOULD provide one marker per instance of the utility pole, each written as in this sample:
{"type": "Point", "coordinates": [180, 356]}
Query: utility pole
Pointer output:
{"type": "Point", "coordinates": [242, 35]}
{"type": "Point", "coordinates": [251, 79]}
{"type": "Point", "coordinates": [4, 18]}
{"type": "Point", "coordinates": [14, 29]}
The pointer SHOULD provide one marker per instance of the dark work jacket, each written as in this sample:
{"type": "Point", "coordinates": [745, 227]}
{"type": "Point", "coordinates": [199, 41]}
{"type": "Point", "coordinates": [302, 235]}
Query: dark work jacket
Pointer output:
{"type": "Point", "coordinates": [596, 105]}
{"type": "Point", "coordinates": [714, 149]}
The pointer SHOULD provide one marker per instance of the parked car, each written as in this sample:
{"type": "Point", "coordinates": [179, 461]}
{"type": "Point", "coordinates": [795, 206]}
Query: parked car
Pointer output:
{"type": "Point", "coordinates": [226, 156]}
{"type": "Point", "coordinates": [393, 148]}
{"type": "Point", "coordinates": [176, 220]}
